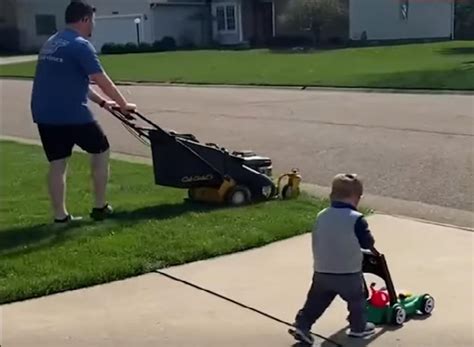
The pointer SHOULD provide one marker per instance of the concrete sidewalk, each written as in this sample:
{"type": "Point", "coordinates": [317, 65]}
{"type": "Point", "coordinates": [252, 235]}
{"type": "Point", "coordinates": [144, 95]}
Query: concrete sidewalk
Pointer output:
{"type": "Point", "coordinates": [17, 59]}
{"type": "Point", "coordinates": [153, 310]}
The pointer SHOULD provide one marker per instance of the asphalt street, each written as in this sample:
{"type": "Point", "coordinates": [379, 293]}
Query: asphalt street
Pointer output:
{"type": "Point", "coordinates": [415, 147]}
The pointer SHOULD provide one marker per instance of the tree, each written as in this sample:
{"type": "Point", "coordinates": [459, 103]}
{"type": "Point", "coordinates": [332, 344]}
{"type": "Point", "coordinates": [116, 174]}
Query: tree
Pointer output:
{"type": "Point", "coordinates": [314, 15]}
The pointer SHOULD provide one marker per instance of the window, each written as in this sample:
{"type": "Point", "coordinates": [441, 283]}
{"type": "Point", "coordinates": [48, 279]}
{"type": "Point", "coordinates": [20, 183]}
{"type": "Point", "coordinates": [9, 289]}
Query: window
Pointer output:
{"type": "Point", "coordinates": [225, 17]}
{"type": "Point", "coordinates": [404, 9]}
{"type": "Point", "coordinates": [230, 15]}
{"type": "Point", "coordinates": [45, 24]}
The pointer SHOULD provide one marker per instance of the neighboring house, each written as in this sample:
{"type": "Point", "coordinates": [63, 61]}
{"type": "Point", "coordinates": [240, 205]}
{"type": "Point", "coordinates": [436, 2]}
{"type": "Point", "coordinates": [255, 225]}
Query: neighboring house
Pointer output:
{"type": "Point", "coordinates": [26, 24]}
{"type": "Point", "coordinates": [8, 25]}
{"type": "Point", "coordinates": [401, 19]}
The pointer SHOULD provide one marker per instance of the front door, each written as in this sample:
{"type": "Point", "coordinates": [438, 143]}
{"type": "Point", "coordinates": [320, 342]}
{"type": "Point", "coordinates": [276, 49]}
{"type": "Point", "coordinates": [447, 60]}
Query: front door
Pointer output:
{"type": "Point", "coordinates": [264, 23]}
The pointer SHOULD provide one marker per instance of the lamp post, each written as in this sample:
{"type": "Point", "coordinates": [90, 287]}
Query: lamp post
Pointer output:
{"type": "Point", "coordinates": [137, 24]}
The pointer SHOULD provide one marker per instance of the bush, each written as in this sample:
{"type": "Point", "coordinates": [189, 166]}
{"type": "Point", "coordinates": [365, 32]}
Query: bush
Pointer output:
{"type": "Point", "coordinates": [166, 44]}
{"type": "Point", "coordinates": [290, 41]}
{"type": "Point", "coordinates": [110, 48]}
{"type": "Point", "coordinates": [157, 46]}
{"type": "Point", "coordinates": [131, 47]}
{"type": "Point", "coordinates": [145, 47]}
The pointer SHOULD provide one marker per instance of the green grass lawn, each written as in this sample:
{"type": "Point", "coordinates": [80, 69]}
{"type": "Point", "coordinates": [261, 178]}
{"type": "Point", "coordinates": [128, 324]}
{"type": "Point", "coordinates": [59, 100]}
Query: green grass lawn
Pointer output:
{"type": "Point", "coordinates": [153, 226]}
{"type": "Point", "coordinates": [446, 65]}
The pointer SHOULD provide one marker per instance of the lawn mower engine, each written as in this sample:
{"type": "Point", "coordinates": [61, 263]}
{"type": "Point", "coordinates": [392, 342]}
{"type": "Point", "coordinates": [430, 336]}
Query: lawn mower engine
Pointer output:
{"type": "Point", "coordinates": [256, 162]}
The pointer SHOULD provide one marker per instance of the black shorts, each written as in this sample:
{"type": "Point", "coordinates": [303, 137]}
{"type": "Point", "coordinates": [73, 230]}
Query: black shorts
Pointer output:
{"type": "Point", "coordinates": [59, 140]}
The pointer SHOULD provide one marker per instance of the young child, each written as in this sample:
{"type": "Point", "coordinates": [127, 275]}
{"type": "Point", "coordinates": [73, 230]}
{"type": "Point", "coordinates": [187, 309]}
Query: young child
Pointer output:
{"type": "Point", "coordinates": [339, 234]}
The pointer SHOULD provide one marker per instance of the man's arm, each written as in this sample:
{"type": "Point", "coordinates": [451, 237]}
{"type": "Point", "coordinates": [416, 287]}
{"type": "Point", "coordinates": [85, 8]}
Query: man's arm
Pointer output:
{"type": "Point", "coordinates": [108, 87]}
{"type": "Point", "coordinates": [89, 61]}
{"type": "Point", "coordinates": [366, 240]}
{"type": "Point", "coordinates": [95, 97]}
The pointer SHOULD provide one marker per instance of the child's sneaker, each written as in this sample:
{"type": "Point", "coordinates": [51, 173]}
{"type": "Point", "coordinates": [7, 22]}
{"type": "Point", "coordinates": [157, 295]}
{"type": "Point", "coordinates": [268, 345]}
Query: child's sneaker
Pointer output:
{"type": "Point", "coordinates": [303, 336]}
{"type": "Point", "coordinates": [369, 330]}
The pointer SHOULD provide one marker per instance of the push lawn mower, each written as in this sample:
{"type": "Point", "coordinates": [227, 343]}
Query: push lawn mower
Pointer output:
{"type": "Point", "coordinates": [210, 173]}
{"type": "Point", "coordinates": [384, 305]}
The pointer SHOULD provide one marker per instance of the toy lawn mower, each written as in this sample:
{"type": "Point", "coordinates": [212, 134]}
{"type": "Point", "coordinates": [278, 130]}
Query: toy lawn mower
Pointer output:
{"type": "Point", "coordinates": [210, 173]}
{"type": "Point", "coordinates": [384, 305]}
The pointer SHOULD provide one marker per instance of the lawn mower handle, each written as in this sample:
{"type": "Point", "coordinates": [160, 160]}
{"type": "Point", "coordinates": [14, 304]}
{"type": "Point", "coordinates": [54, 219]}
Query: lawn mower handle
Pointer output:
{"type": "Point", "coordinates": [130, 116]}
{"type": "Point", "coordinates": [372, 251]}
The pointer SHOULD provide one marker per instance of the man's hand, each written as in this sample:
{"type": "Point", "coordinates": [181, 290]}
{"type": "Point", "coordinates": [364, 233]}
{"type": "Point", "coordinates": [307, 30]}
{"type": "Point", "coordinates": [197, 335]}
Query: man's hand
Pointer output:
{"type": "Point", "coordinates": [128, 108]}
{"type": "Point", "coordinates": [111, 90]}
{"type": "Point", "coordinates": [110, 104]}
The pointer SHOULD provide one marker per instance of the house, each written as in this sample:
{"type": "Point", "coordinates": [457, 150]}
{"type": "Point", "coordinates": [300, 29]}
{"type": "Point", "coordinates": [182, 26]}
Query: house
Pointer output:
{"type": "Point", "coordinates": [26, 24]}
{"type": "Point", "coordinates": [382, 20]}
{"type": "Point", "coordinates": [197, 22]}
{"type": "Point", "coordinates": [8, 26]}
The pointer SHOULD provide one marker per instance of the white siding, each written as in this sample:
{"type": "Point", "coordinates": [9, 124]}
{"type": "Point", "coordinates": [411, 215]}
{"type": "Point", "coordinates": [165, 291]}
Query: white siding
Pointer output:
{"type": "Point", "coordinates": [381, 19]}
{"type": "Point", "coordinates": [26, 12]}
{"type": "Point", "coordinates": [128, 7]}
{"type": "Point", "coordinates": [27, 9]}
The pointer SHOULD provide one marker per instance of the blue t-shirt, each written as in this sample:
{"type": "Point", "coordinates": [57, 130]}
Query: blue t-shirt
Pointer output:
{"type": "Point", "coordinates": [61, 84]}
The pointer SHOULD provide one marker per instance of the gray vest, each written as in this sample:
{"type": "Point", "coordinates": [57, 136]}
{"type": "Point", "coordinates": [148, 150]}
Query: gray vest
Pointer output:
{"type": "Point", "coordinates": [336, 248]}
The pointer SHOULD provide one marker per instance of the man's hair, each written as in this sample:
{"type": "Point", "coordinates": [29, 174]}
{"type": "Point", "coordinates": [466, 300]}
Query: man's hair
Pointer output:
{"type": "Point", "coordinates": [346, 186]}
{"type": "Point", "coordinates": [78, 10]}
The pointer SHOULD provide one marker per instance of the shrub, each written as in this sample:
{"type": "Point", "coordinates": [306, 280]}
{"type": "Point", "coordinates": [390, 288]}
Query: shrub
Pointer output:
{"type": "Point", "coordinates": [131, 47]}
{"type": "Point", "coordinates": [145, 47]}
{"type": "Point", "coordinates": [290, 41]}
{"type": "Point", "coordinates": [168, 43]}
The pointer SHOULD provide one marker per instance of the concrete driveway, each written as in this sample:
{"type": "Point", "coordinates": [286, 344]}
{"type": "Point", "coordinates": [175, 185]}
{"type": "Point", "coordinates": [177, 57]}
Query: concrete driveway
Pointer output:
{"type": "Point", "coordinates": [152, 310]}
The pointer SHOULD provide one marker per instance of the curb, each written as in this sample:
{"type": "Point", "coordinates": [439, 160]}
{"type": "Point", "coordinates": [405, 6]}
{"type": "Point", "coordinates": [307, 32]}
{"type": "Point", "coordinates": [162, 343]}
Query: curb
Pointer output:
{"type": "Point", "coordinates": [414, 210]}
{"type": "Point", "coordinates": [381, 90]}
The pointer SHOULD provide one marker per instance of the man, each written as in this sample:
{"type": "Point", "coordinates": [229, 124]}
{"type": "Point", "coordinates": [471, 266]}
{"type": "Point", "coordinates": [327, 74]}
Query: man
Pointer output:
{"type": "Point", "coordinates": [66, 64]}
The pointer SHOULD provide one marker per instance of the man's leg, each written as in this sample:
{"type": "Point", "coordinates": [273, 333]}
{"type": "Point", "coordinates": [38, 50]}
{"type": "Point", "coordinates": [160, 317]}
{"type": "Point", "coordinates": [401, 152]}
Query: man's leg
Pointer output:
{"type": "Point", "coordinates": [57, 188]}
{"type": "Point", "coordinates": [100, 177]}
{"type": "Point", "coordinates": [57, 145]}
{"type": "Point", "coordinates": [92, 139]}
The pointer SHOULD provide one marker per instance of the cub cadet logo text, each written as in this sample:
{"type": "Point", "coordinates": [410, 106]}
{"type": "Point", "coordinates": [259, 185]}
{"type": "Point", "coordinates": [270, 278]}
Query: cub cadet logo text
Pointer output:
{"type": "Point", "coordinates": [187, 179]}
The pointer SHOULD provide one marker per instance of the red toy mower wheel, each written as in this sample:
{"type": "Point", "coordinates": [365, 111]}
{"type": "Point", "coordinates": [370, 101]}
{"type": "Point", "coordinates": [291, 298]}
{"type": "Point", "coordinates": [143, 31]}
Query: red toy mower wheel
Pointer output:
{"type": "Point", "coordinates": [427, 304]}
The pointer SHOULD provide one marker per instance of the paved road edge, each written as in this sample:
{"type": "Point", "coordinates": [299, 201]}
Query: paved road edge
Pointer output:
{"type": "Point", "coordinates": [380, 90]}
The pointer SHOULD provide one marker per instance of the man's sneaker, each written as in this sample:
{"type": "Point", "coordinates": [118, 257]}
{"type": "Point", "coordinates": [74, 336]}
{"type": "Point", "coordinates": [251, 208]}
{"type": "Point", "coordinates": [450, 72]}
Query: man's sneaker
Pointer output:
{"type": "Point", "coordinates": [68, 219]}
{"type": "Point", "coordinates": [303, 336]}
{"type": "Point", "coordinates": [369, 330]}
{"type": "Point", "coordinates": [99, 214]}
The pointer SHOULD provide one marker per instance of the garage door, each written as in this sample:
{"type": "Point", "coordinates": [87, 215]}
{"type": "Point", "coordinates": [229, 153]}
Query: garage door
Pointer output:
{"type": "Point", "coordinates": [116, 29]}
